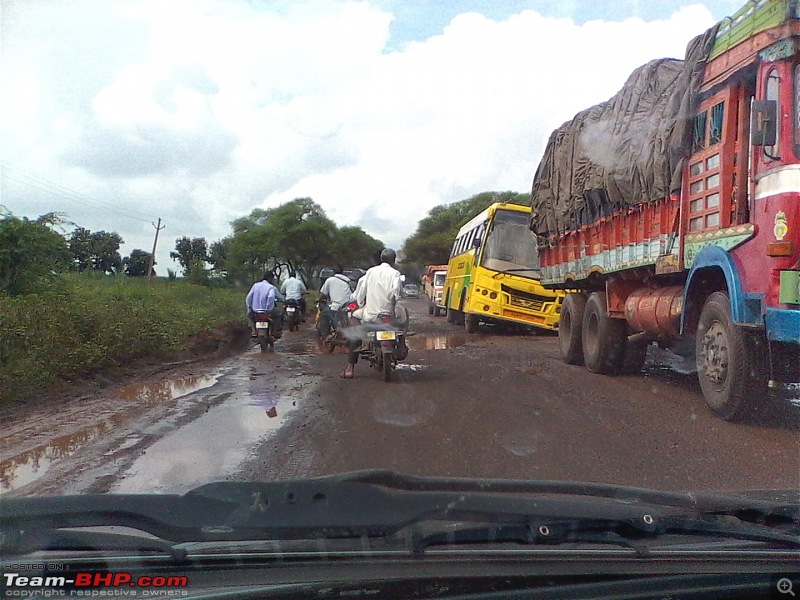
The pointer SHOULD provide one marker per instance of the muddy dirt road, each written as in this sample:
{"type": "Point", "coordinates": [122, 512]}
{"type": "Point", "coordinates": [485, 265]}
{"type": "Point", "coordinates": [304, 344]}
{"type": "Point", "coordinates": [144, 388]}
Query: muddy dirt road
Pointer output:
{"type": "Point", "coordinates": [487, 405]}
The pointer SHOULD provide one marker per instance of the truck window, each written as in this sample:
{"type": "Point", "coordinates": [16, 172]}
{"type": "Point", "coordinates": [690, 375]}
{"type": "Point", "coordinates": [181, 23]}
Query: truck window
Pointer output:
{"type": "Point", "coordinates": [796, 119]}
{"type": "Point", "coordinates": [773, 93]}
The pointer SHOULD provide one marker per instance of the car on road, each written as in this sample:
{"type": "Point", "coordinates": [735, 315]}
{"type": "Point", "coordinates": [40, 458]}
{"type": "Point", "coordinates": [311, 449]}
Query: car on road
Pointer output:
{"type": "Point", "coordinates": [410, 290]}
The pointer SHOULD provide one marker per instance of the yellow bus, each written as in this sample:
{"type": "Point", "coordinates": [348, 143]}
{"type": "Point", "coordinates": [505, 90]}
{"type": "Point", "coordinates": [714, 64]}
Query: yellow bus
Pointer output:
{"type": "Point", "coordinates": [493, 273]}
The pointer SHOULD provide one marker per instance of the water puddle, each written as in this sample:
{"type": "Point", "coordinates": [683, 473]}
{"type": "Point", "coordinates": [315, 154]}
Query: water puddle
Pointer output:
{"type": "Point", "coordinates": [31, 465]}
{"type": "Point", "coordinates": [436, 342]}
{"type": "Point", "coordinates": [163, 391]}
{"type": "Point", "coordinates": [213, 445]}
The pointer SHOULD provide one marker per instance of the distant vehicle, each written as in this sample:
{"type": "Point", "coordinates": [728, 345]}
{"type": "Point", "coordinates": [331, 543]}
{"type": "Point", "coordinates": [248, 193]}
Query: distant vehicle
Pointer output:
{"type": "Point", "coordinates": [410, 290]}
{"type": "Point", "coordinates": [433, 288]}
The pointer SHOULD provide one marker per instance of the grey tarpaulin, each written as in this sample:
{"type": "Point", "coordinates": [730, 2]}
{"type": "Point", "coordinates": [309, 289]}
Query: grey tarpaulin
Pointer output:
{"type": "Point", "coordinates": [625, 151]}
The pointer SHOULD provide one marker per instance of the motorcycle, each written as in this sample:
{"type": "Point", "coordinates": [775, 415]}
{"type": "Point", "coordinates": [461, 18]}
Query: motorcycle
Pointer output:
{"type": "Point", "coordinates": [294, 317]}
{"type": "Point", "coordinates": [340, 320]}
{"type": "Point", "coordinates": [266, 330]}
{"type": "Point", "coordinates": [386, 342]}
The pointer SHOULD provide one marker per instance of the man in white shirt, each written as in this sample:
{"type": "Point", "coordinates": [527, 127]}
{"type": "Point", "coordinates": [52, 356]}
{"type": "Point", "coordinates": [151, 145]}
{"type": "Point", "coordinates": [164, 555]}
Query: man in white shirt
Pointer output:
{"type": "Point", "coordinates": [377, 291]}
{"type": "Point", "coordinates": [294, 289]}
{"type": "Point", "coordinates": [337, 289]}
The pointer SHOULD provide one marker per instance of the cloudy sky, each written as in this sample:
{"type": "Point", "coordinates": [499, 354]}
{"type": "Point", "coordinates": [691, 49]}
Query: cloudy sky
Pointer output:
{"type": "Point", "coordinates": [118, 112]}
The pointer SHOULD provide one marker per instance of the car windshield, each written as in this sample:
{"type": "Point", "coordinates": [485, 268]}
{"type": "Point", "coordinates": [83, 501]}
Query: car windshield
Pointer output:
{"type": "Point", "coordinates": [568, 244]}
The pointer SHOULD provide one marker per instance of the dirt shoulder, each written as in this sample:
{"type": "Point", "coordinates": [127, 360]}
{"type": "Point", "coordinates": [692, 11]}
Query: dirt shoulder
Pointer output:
{"type": "Point", "coordinates": [212, 345]}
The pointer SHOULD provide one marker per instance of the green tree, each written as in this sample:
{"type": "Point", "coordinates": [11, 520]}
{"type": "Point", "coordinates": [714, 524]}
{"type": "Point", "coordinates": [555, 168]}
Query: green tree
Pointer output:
{"type": "Point", "coordinates": [105, 256]}
{"type": "Point", "coordinates": [297, 235]}
{"type": "Point", "coordinates": [137, 263]}
{"type": "Point", "coordinates": [218, 255]}
{"type": "Point", "coordinates": [80, 246]}
{"type": "Point", "coordinates": [355, 248]}
{"type": "Point", "coordinates": [191, 254]}
{"type": "Point", "coordinates": [31, 252]}
{"type": "Point", "coordinates": [434, 236]}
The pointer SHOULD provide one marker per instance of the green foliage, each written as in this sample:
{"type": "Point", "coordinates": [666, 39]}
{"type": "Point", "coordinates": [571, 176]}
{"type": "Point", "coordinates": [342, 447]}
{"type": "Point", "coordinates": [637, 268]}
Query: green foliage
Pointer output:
{"type": "Point", "coordinates": [95, 250]}
{"type": "Point", "coordinates": [85, 324]}
{"type": "Point", "coordinates": [218, 255]}
{"type": "Point", "coordinates": [297, 235]}
{"type": "Point", "coordinates": [80, 246]}
{"type": "Point", "coordinates": [431, 242]}
{"type": "Point", "coordinates": [105, 254]}
{"type": "Point", "coordinates": [31, 252]}
{"type": "Point", "coordinates": [355, 248]}
{"type": "Point", "coordinates": [191, 254]}
{"type": "Point", "coordinates": [137, 263]}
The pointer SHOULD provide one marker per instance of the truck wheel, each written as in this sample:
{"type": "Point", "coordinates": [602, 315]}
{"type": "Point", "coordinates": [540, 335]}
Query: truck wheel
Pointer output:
{"type": "Point", "coordinates": [731, 366]}
{"type": "Point", "coordinates": [569, 329]}
{"type": "Point", "coordinates": [470, 323]}
{"type": "Point", "coordinates": [633, 358]}
{"type": "Point", "coordinates": [603, 338]}
{"type": "Point", "coordinates": [430, 308]}
{"type": "Point", "coordinates": [437, 312]}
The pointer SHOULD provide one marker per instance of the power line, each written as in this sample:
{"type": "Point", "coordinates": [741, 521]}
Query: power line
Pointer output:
{"type": "Point", "coordinates": [59, 191]}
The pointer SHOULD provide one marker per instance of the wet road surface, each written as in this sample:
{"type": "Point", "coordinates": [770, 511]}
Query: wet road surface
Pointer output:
{"type": "Point", "coordinates": [485, 405]}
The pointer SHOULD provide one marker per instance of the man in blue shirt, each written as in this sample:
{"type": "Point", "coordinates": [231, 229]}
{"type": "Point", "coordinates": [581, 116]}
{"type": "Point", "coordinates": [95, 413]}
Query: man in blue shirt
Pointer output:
{"type": "Point", "coordinates": [263, 297]}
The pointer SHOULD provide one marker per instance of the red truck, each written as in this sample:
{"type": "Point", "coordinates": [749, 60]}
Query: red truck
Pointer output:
{"type": "Point", "coordinates": [671, 213]}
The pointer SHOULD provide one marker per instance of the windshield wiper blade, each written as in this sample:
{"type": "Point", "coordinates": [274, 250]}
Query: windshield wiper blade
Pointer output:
{"type": "Point", "coordinates": [783, 504]}
{"type": "Point", "coordinates": [374, 504]}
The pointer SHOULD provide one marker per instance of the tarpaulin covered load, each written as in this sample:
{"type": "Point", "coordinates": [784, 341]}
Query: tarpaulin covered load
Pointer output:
{"type": "Point", "coordinates": [625, 151]}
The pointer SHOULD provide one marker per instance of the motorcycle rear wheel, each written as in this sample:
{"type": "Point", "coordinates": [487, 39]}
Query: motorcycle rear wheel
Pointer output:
{"type": "Point", "coordinates": [386, 369]}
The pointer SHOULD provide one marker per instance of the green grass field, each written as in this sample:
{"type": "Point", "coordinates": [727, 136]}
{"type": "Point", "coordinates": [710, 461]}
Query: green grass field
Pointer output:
{"type": "Point", "coordinates": [84, 323]}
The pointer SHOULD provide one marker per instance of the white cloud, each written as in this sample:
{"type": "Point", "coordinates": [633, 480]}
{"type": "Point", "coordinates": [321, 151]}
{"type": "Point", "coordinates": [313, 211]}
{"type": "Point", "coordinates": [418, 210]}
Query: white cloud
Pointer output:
{"type": "Point", "coordinates": [200, 111]}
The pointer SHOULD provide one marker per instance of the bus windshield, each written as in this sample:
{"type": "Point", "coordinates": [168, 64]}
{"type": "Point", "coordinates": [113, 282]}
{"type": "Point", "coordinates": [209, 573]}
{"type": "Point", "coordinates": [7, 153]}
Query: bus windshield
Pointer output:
{"type": "Point", "coordinates": [510, 246]}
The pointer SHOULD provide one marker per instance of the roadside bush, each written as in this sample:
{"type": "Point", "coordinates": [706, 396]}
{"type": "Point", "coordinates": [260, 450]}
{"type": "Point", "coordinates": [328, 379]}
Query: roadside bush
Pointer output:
{"type": "Point", "coordinates": [84, 324]}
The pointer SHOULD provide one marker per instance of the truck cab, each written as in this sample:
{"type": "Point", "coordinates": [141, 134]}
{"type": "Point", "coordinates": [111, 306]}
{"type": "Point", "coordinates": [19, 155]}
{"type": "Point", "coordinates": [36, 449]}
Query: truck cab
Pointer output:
{"type": "Point", "coordinates": [433, 283]}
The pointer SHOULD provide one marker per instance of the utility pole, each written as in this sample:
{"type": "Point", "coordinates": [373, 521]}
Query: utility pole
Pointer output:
{"type": "Point", "coordinates": [158, 227]}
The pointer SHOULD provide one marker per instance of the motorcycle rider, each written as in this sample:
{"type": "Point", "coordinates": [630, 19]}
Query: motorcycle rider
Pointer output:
{"type": "Point", "coordinates": [377, 291]}
{"type": "Point", "coordinates": [337, 289]}
{"type": "Point", "coordinates": [294, 289]}
{"type": "Point", "coordinates": [263, 297]}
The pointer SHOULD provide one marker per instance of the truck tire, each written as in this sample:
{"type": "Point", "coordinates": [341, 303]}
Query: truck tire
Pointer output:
{"type": "Point", "coordinates": [731, 365]}
{"type": "Point", "coordinates": [603, 338]}
{"type": "Point", "coordinates": [431, 308]}
{"type": "Point", "coordinates": [633, 358]}
{"type": "Point", "coordinates": [570, 325]}
{"type": "Point", "coordinates": [471, 323]}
